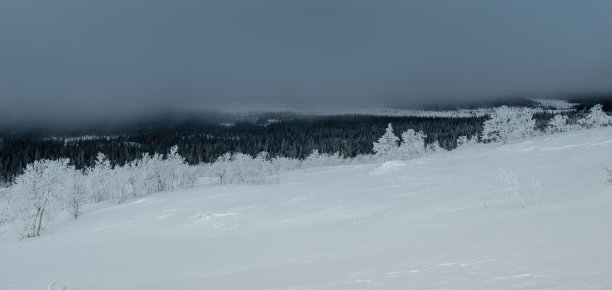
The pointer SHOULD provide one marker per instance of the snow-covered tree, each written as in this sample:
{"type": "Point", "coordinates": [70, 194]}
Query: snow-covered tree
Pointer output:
{"type": "Point", "coordinates": [463, 141]}
{"type": "Point", "coordinates": [251, 170]}
{"type": "Point", "coordinates": [316, 159]}
{"type": "Point", "coordinates": [38, 193]}
{"type": "Point", "coordinates": [49, 186]}
{"type": "Point", "coordinates": [412, 144]}
{"type": "Point", "coordinates": [119, 184]}
{"type": "Point", "coordinates": [507, 123]}
{"type": "Point", "coordinates": [221, 167]}
{"type": "Point", "coordinates": [240, 168]}
{"type": "Point", "coordinates": [5, 205]}
{"type": "Point", "coordinates": [99, 178]}
{"type": "Point", "coordinates": [155, 173]}
{"type": "Point", "coordinates": [148, 173]}
{"type": "Point", "coordinates": [596, 118]}
{"type": "Point", "coordinates": [179, 173]}
{"type": "Point", "coordinates": [134, 179]}
{"type": "Point", "coordinates": [76, 193]}
{"type": "Point", "coordinates": [434, 147]}
{"type": "Point", "coordinates": [557, 124]}
{"type": "Point", "coordinates": [386, 146]}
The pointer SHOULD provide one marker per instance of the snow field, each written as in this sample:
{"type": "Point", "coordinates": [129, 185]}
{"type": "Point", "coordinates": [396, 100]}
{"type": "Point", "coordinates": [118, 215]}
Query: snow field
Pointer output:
{"type": "Point", "coordinates": [444, 221]}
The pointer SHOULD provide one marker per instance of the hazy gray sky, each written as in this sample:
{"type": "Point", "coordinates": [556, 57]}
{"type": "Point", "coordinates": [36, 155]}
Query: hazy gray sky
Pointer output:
{"type": "Point", "coordinates": [117, 57]}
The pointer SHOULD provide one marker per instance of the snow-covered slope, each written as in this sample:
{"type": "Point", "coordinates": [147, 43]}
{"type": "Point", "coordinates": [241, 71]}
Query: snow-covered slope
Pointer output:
{"type": "Point", "coordinates": [440, 222]}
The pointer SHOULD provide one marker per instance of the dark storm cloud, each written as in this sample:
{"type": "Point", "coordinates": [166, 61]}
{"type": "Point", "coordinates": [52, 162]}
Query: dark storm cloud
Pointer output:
{"type": "Point", "coordinates": [121, 57]}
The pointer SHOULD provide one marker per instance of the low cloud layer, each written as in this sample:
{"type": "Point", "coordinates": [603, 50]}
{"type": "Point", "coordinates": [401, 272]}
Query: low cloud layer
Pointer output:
{"type": "Point", "coordinates": [112, 59]}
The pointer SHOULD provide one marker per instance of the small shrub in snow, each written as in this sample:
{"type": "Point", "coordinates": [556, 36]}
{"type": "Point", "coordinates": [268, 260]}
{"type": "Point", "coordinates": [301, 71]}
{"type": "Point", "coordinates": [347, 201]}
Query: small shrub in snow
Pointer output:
{"type": "Point", "coordinates": [596, 118]}
{"type": "Point", "coordinates": [507, 123]}
{"type": "Point", "coordinates": [609, 171]}
{"type": "Point", "coordinates": [54, 286]}
{"type": "Point", "coordinates": [386, 146]}
{"type": "Point", "coordinates": [412, 145]}
{"type": "Point", "coordinates": [557, 124]}
{"type": "Point", "coordinates": [521, 195]}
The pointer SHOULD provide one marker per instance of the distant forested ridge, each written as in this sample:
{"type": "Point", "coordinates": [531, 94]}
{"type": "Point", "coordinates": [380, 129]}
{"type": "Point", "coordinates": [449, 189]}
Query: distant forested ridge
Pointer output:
{"type": "Point", "coordinates": [204, 139]}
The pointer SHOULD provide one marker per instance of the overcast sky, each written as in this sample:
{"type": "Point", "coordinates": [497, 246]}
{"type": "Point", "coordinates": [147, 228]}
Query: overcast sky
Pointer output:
{"type": "Point", "coordinates": [119, 57]}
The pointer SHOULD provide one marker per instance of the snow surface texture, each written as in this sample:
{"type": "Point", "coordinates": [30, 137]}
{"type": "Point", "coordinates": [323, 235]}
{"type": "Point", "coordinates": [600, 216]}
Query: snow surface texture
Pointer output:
{"type": "Point", "coordinates": [444, 221]}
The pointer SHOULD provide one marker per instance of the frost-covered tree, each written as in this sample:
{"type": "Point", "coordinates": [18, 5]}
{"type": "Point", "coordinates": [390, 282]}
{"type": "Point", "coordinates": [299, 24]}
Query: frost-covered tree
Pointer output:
{"type": "Point", "coordinates": [285, 163]}
{"type": "Point", "coordinates": [38, 193]}
{"type": "Point", "coordinates": [386, 146]}
{"type": "Point", "coordinates": [155, 173]}
{"type": "Point", "coordinates": [557, 124]}
{"type": "Point", "coordinates": [266, 167]}
{"type": "Point", "coordinates": [134, 180]}
{"type": "Point", "coordinates": [596, 118]}
{"type": "Point", "coordinates": [221, 167]}
{"type": "Point", "coordinates": [49, 186]}
{"type": "Point", "coordinates": [148, 174]}
{"type": "Point", "coordinates": [316, 159]}
{"type": "Point", "coordinates": [119, 184]}
{"type": "Point", "coordinates": [412, 144]}
{"type": "Point", "coordinates": [508, 123]}
{"type": "Point", "coordinates": [252, 170]}
{"type": "Point", "coordinates": [5, 205]}
{"type": "Point", "coordinates": [240, 168]}
{"type": "Point", "coordinates": [76, 193]}
{"type": "Point", "coordinates": [463, 141]}
{"type": "Point", "coordinates": [179, 174]}
{"type": "Point", "coordinates": [434, 147]}
{"type": "Point", "coordinates": [99, 178]}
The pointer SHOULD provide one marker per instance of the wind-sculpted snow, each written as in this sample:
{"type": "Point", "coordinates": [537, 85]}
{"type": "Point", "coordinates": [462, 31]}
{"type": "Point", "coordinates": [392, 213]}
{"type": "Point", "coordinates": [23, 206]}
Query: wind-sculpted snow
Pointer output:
{"type": "Point", "coordinates": [441, 221]}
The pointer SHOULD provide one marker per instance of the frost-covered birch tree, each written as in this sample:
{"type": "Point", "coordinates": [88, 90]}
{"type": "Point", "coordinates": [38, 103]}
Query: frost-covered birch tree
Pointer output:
{"type": "Point", "coordinates": [507, 123]}
{"type": "Point", "coordinates": [38, 193]}
{"type": "Point", "coordinates": [99, 178]}
{"type": "Point", "coordinates": [76, 193]}
{"type": "Point", "coordinates": [412, 144]}
{"type": "Point", "coordinates": [596, 118]}
{"type": "Point", "coordinates": [557, 124]}
{"type": "Point", "coordinates": [463, 141]}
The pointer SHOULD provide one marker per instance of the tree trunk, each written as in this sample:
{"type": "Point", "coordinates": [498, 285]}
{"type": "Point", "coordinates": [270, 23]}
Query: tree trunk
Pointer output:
{"type": "Point", "coordinates": [40, 222]}
{"type": "Point", "coordinates": [33, 234]}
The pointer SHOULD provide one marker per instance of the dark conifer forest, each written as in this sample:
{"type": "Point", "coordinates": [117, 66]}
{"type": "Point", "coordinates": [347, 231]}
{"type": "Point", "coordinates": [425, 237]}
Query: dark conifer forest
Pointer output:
{"type": "Point", "coordinates": [204, 141]}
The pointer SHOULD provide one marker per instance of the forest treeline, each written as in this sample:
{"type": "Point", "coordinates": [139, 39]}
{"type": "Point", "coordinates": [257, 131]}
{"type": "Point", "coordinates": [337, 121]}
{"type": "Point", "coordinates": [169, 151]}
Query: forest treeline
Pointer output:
{"type": "Point", "coordinates": [201, 140]}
